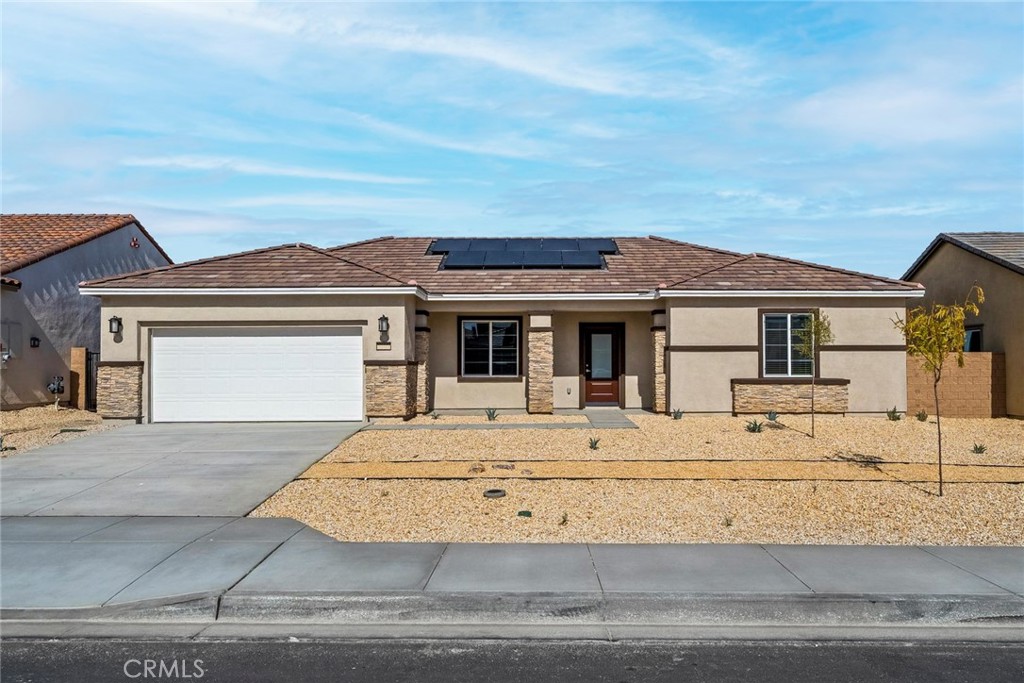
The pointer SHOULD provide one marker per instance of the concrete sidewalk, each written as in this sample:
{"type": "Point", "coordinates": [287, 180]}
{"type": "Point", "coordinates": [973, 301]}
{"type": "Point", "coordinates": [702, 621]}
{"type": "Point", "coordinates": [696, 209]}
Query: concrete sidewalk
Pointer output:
{"type": "Point", "coordinates": [259, 571]}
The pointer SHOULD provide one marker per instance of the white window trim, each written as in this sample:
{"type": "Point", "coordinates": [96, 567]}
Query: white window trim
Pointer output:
{"type": "Point", "coordinates": [789, 345]}
{"type": "Point", "coordinates": [490, 345]}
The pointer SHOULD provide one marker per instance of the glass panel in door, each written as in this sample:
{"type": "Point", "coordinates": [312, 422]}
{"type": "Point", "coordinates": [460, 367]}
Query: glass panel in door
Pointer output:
{"type": "Point", "coordinates": [601, 356]}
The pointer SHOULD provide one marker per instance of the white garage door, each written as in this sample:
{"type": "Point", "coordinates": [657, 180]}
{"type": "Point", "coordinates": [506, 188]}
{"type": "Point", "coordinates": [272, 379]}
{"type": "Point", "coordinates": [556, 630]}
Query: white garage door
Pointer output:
{"type": "Point", "coordinates": [256, 374]}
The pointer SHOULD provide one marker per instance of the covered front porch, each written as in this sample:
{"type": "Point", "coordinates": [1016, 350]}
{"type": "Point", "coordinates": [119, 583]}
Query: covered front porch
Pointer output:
{"type": "Point", "coordinates": [556, 359]}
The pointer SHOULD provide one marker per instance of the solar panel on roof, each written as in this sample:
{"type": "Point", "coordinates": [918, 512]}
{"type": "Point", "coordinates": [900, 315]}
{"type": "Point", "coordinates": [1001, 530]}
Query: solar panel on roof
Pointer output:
{"type": "Point", "coordinates": [523, 244]}
{"type": "Point", "coordinates": [503, 259]}
{"type": "Point", "coordinates": [444, 246]}
{"type": "Point", "coordinates": [465, 259]}
{"type": "Point", "coordinates": [560, 245]}
{"type": "Point", "coordinates": [598, 244]}
{"type": "Point", "coordinates": [542, 259]}
{"type": "Point", "coordinates": [487, 245]}
{"type": "Point", "coordinates": [581, 259]}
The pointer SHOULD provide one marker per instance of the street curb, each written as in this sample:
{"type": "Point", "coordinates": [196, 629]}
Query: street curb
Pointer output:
{"type": "Point", "coordinates": [190, 607]}
{"type": "Point", "coordinates": [621, 608]}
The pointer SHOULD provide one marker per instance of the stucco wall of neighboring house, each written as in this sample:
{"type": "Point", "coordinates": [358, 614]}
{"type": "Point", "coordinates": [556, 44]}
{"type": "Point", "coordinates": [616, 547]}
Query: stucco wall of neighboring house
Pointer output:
{"type": "Point", "coordinates": [449, 392]}
{"type": "Point", "coordinates": [714, 340]}
{"type": "Point", "coordinates": [948, 276]}
{"type": "Point", "coordinates": [141, 314]}
{"type": "Point", "coordinates": [48, 306]}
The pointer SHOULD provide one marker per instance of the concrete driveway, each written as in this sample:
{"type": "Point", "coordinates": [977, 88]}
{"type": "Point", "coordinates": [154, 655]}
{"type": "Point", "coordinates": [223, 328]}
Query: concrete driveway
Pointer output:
{"type": "Point", "coordinates": [165, 469]}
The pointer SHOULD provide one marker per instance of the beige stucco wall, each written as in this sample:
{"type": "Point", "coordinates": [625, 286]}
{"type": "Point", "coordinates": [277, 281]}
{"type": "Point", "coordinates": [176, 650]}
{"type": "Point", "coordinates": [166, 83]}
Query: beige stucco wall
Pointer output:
{"type": "Point", "coordinates": [699, 381]}
{"type": "Point", "coordinates": [948, 276]}
{"type": "Point", "coordinates": [565, 317]}
{"type": "Point", "coordinates": [49, 306]}
{"type": "Point", "coordinates": [141, 314]}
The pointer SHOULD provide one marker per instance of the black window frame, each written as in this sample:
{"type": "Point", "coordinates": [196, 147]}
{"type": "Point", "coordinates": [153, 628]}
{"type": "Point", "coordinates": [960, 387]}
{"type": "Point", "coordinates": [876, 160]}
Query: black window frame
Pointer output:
{"type": "Point", "coordinates": [981, 338]}
{"type": "Point", "coordinates": [489, 319]}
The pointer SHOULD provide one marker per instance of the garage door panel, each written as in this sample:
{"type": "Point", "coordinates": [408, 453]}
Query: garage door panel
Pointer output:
{"type": "Point", "coordinates": [264, 374]}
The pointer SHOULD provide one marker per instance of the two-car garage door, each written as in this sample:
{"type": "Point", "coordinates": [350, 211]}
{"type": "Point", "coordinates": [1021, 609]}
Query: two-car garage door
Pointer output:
{"type": "Point", "coordinates": [256, 374]}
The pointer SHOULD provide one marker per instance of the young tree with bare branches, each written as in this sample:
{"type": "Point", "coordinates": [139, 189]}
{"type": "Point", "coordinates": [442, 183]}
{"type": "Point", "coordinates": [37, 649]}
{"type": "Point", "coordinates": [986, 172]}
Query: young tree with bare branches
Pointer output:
{"type": "Point", "coordinates": [815, 334]}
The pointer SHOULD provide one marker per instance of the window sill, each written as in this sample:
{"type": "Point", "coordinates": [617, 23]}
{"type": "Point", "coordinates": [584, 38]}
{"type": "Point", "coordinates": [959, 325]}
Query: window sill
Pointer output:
{"type": "Point", "coordinates": [791, 380]}
{"type": "Point", "coordinates": [489, 378]}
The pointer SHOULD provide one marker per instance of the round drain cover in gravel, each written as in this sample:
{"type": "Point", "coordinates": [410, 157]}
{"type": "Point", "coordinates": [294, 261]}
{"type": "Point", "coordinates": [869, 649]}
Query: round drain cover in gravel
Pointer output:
{"type": "Point", "coordinates": [494, 493]}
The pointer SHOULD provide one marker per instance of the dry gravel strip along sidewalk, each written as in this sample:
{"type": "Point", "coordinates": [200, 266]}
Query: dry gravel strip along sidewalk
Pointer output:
{"type": "Point", "coordinates": [778, 470]}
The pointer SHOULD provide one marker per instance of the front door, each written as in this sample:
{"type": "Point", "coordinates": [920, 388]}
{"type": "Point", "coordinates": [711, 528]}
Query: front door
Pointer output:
{"type": "Point", "coordinates": [601, 353]}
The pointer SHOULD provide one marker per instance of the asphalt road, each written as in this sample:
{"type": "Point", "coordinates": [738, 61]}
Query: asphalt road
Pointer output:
{"type": "Point", "coordinates": [381, 661]}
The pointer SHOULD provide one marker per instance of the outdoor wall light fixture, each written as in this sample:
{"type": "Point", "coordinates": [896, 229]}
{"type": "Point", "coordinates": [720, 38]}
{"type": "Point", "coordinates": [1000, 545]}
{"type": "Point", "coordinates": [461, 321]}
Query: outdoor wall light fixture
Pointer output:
{"type": "Point", "coordinates": [383, 326]}
{"type": "Point", "coordinates": [115, 325]}
{"type": "Point", "coordinates": [33, 342]}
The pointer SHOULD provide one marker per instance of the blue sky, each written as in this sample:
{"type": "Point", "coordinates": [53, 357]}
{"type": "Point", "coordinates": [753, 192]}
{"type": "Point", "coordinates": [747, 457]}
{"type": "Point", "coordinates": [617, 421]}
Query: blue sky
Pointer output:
{"type": "Point", "coordinates": [844, 133]}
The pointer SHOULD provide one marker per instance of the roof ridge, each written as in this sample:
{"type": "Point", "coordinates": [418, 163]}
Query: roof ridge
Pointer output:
{"type": "Point", "coordinates": [174, 266]}
{"type": "Point", "coordinates": [834, 269]}
{"type": "Point", "coordinates": [325, 252]}
{"type": "Point", "coordinates": [695, 246]}
{"type": "Point", "coordinates": [355, 244]}
{"type": "Point", "coordinates": [711, 270]}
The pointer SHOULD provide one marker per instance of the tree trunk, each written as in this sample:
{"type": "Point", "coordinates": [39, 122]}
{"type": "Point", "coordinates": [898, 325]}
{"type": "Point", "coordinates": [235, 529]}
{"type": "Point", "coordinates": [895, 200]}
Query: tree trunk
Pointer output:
{"type": "Point", "coordinates": [812, 406]}
{"type": "Point", "coordinates": [938, 424]}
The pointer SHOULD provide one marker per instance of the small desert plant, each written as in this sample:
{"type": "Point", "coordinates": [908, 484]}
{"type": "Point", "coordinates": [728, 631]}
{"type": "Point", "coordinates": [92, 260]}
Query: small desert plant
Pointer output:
{"type": "Point", "coordinates": [754, 426]}
{"type": "Point", "coordinates": [435, 415]}
{"type": "Point", "coordinates": [4, 447]}
{"type": "Point", "coordinates": [492, 414]}
{"type": "Point", "coordinates": [921, 416]}
{"type": "Point", "coordinates": [593, 443]}
{"type": "Point", "coordinates": [772, 416]}
{"type": "Point", "coordinates": [727, 522]}
{"type": "Point", "coordinates": [677, 414]}
{"type": "Point", "coordinates": [525, 513]}
{"type": "Point", "coordinates": [979, 448]}
{"type": "Point", "coordinates": [565, 519]}
{"type": "Point", "coordinates": [893, 414]}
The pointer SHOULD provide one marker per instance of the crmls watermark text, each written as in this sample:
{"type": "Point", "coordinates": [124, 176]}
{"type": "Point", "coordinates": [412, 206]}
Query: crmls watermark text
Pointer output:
{"type": "Point", "coordinates": [162, 668]}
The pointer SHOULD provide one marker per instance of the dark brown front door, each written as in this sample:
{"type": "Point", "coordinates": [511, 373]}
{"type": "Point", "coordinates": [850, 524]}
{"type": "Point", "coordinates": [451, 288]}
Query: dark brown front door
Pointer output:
{"type": "Point", "coordinates": [601, 347]}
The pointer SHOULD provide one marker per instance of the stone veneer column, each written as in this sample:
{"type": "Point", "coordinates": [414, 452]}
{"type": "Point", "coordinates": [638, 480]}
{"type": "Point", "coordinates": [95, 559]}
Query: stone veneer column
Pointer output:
{"type": "Point", "coordinates": [423, 398]}
{"type": "Point", "coordinates": [119, 389]}
{"type": "Point", "coordinates": [658, 331]}
{"type": "Point", "coordinates": [540, 352]}
{"type": "Point", "coordinates": [390, 388]}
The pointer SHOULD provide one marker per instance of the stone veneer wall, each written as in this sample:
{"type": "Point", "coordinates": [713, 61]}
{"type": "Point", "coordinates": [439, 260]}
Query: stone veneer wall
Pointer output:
{"type": "Point", "coordinates": [423, 398]}
{"type": "Point", "coordinates": [390, 389]}
{"type": "Point", "coordinates": [660, 379]}
{"type": "Point", "coordinates": [540, 380]}
{"type": "Point", "coordinates": [978, 389]}
{"type": "Point", "coordinates": [760, 397]}
{"type": "Point", "coordinates": [119, 390]}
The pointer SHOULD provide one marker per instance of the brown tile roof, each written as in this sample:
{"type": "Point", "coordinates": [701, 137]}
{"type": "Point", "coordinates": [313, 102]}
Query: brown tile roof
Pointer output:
{"type": "Point", "coordinates": [1004, 248]}
{"type": "Point", "coordinates": [642, 265]}
{"type": "Point", "coordinates": [289, 265]}
{"type": "Point", "coordinates": [30, 237]}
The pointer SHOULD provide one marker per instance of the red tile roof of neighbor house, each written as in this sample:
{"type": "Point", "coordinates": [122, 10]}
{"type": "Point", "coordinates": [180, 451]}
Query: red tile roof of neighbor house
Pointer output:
{"type": "Point", "coordinates": [26, 238]}
{"type": "Point", "coordinates": [642, 265]}
{"type": "Point", "coordinates": [1004, 248]}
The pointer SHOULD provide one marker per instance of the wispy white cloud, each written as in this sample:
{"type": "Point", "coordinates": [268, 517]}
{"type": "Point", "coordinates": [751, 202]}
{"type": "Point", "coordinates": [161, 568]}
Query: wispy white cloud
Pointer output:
{"type": "Point", "coordinates": [248, 167]}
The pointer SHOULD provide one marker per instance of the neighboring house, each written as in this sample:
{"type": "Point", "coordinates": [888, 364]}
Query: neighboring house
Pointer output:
{"type": "Point", "coordinates": [43, 257]}
{"type": "Point", "coordinates": [396, 326]}
{"type": "Point", "coordinates": [950, 266]}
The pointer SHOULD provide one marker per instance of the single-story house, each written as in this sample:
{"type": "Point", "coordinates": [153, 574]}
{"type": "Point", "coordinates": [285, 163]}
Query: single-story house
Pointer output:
{"type": "Point", "coordinates": [43, 317]}
{"type": "Point", "coordinates": [952, 264]}
{"type": "Point", "coordinates": [398, 326]}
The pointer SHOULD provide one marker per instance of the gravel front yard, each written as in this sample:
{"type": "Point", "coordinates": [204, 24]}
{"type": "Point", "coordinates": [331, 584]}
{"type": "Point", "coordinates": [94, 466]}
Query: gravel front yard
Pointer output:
{"type": "Point", "coordinates": [502, 418]}
{"type": "Point", "coordinates": [705, 437]}
{"type": "Point", "coordinates": [667, 511]}
{"type": "Point", "coordinates": [30, 428]}
{"type": "Point", "coordinates": [655, 511]}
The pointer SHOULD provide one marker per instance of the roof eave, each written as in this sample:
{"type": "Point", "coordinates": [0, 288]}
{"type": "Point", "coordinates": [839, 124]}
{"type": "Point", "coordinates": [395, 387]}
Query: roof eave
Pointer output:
{"type": "Point", "coordinates": [969, 248]}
